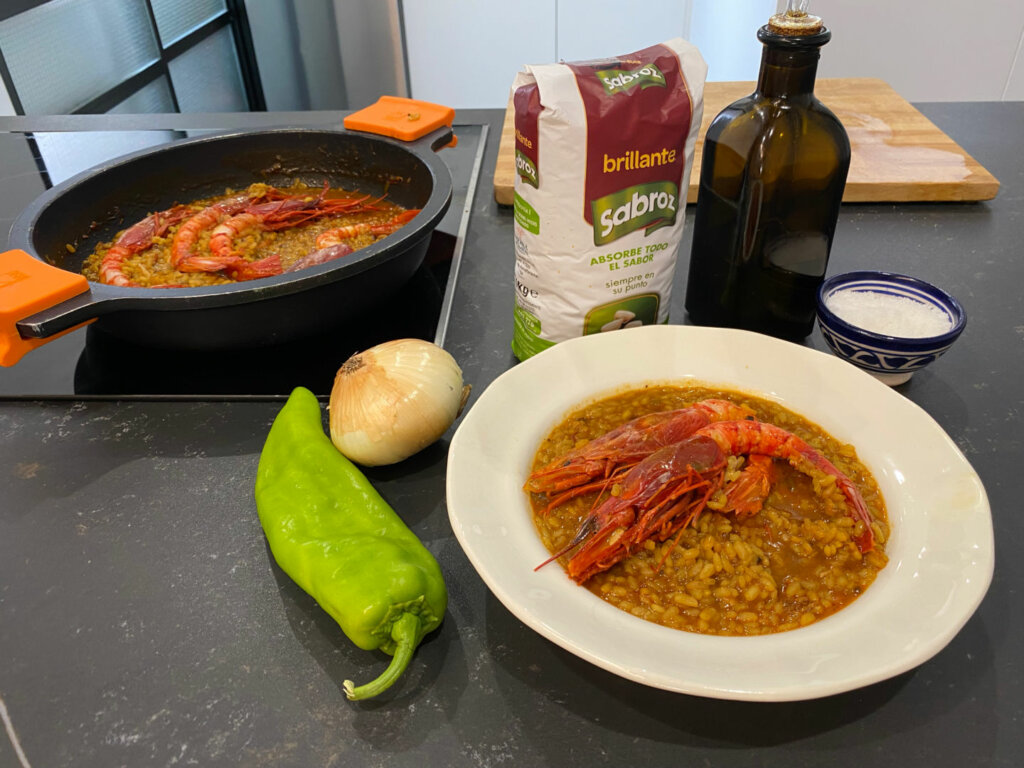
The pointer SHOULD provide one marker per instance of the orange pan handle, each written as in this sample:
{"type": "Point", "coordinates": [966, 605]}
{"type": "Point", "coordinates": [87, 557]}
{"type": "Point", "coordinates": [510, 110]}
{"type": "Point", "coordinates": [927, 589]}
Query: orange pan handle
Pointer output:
{"type": "Point", "coordinates": [403, 119]}
{"type": "Point", "coordinates": [27, 286]}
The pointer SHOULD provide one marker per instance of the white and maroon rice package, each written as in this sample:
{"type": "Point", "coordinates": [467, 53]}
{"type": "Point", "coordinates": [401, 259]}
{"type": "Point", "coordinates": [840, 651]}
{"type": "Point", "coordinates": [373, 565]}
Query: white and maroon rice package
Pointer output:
{"type": "Point", "coordinates": [603, 156]}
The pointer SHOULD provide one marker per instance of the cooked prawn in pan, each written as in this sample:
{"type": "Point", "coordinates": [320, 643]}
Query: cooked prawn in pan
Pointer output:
{"type": "Point", "coordinates": [259, 232]}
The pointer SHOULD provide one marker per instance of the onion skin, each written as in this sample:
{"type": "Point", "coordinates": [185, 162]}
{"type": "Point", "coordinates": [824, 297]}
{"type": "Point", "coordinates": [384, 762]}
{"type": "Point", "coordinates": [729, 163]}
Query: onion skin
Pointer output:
{"type": "Point", "coordinates": [393, 400]}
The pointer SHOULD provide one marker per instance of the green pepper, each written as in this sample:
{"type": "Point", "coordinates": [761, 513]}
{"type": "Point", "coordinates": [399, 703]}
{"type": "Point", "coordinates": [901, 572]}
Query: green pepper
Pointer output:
{"type": "Point", "coordinates": [334, 535]}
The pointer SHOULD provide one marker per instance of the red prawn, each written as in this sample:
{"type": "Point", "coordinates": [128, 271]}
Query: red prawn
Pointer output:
{"type": "Point", "coordinates": [136, 239]}
{"type": "Point", "coordinates": [589, 467]}
{"type": "Point", "coordinates": [667, 490]}
{"type": "Point", "coordinates": [763, 439]}
{"type": "Point", "coordinates": [340, 234]}
{"type": "Point", "coordinates": [183, 256]}
{"type": "Point", "coordinates": [659, 496]}
{"type": "Point", "coordinates": [321, 256]}
{"type": "Point", "coordinates": [282, 212]}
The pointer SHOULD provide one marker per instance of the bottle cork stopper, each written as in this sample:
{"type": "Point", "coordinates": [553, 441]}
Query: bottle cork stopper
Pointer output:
{"type": "Point", "coordinates": [795, 21]}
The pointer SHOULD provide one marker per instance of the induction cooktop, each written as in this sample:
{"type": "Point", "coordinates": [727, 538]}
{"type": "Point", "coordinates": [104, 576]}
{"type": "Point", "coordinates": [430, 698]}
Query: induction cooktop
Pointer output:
{"type": "Point", "coordinates": [91, 364]}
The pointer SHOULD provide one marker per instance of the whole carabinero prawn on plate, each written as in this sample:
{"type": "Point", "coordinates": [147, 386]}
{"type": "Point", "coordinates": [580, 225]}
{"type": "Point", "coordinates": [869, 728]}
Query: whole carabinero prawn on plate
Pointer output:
{"type": "Point", "coordinates": [709, 512]}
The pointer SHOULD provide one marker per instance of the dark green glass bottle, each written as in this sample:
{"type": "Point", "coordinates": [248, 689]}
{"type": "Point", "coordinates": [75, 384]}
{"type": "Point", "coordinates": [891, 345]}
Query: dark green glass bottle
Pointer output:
{"type": "Point", "coordinates": [771, 183]}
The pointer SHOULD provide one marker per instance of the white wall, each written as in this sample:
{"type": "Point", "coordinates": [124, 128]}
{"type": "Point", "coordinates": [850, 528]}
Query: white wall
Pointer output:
{"type": "Point", "coordinates": [933, 50]}
{"type": "Point", "coordinates": [369, 38]}
{"type": "Point", "coordinates": [725, 31]}
{"type": "Point", "coordinates": [597, 29]}
{"type": "Point", "coordinates": [277, 55]}
{"type": "Point", "coordinates": [1015, 82]}
{"type": "Point", "coordinates": [466, 52]}
{"type": "Point", "coordinates": [327, 54]}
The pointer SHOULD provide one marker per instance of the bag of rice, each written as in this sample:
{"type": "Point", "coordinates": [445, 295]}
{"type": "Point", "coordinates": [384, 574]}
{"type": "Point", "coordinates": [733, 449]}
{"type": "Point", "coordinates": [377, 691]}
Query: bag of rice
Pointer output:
{"type": "Point", "coordinates": [603, 157]}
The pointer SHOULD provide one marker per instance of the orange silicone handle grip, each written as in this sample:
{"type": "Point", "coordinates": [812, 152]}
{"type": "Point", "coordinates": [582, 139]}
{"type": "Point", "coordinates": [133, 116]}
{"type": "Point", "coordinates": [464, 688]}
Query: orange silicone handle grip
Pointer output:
{"type": "Point", "coordinates": [27, 286]}
{"type": "Point", "coordinates": [401, 118]}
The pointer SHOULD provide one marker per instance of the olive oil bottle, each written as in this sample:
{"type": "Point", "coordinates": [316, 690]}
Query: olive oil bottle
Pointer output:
{"type": "Point", "coordinates": [771, 183]}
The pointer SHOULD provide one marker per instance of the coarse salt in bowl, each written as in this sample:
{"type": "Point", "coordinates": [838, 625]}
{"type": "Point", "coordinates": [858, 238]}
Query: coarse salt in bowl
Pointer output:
{"type": "Point", "coordinates": [887, 324]}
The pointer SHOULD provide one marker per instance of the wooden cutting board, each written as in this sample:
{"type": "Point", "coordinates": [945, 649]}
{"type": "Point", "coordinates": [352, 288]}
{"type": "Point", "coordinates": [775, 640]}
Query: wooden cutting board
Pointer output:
{"type": "Point", "coordinates": [897, 154]}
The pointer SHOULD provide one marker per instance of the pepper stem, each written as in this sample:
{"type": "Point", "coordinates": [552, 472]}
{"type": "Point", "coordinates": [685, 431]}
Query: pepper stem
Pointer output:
{"type": "Point", "coordinates": [406, 633]}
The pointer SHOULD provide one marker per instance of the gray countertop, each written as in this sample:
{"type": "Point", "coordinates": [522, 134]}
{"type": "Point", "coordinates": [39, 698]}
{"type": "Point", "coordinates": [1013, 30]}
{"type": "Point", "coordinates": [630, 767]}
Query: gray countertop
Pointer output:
{"type": "Point", "coordinates": [143, 621]}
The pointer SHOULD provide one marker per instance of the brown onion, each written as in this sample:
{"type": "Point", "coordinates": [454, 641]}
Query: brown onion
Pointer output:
{"type": "Point", "coordinates": [394, 400]}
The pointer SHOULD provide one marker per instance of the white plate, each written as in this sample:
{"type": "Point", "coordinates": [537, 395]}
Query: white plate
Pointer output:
{"type": "Point", "coordinates": [940, 554]}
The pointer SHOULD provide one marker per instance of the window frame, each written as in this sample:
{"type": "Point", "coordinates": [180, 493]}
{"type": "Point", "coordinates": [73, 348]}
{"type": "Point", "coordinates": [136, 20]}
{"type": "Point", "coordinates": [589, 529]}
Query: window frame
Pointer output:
{"type": "Point", "coordinates": [233, 16]}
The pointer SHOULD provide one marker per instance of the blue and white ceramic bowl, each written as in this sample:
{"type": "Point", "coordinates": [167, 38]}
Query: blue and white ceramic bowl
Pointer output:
{"type": "Point", "coordinates": [893, 359]}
